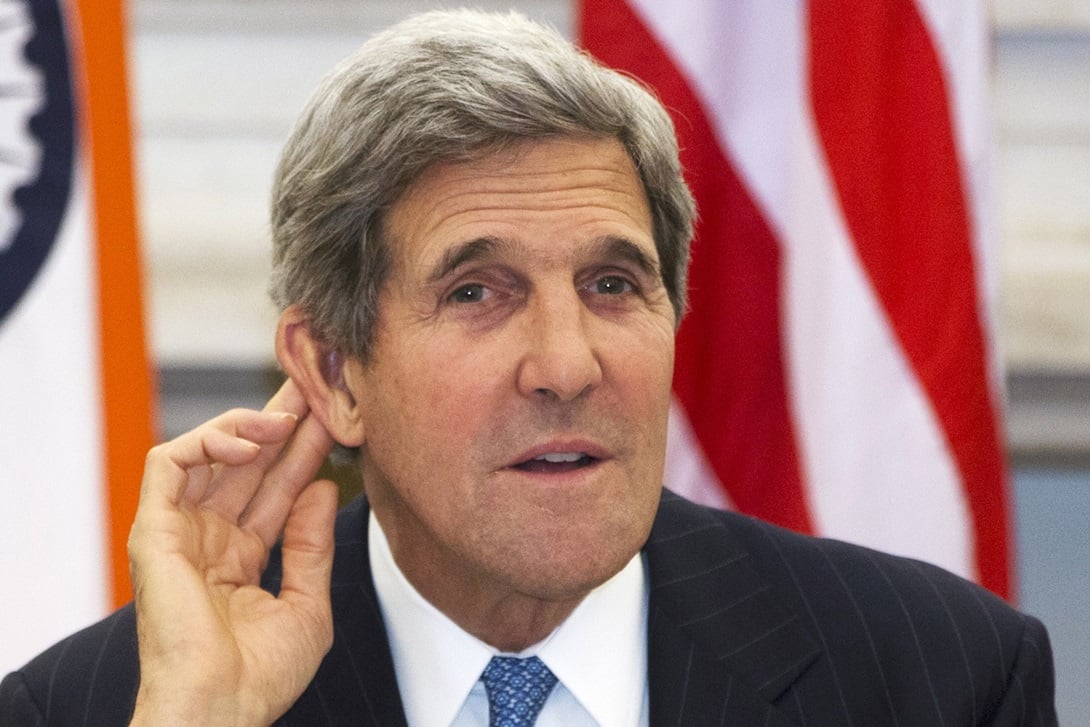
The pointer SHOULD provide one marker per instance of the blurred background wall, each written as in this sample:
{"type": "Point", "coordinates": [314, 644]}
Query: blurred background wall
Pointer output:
{"type": "Point", "coordinates": [217, 84]}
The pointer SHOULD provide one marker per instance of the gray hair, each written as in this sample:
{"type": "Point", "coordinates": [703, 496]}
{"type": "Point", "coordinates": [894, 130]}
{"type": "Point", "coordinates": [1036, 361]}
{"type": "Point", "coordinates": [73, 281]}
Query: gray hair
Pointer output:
{"type": "Point", "coordinates": [445, 86]}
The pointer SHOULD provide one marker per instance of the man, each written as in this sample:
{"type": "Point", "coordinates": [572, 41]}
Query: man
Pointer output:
{"type": "Point", "coordinates": [480, 248]}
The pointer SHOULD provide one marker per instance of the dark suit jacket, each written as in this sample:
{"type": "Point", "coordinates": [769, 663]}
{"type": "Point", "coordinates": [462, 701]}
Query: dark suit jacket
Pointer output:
{"type": "Point", "coordinates": [748, 625]}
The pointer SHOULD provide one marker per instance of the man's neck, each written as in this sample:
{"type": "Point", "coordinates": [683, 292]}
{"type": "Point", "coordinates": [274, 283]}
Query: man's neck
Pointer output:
{"type": "Point", "coordinates": [509, 621]}
{"type": "Point", "coordinates": [429, 649]}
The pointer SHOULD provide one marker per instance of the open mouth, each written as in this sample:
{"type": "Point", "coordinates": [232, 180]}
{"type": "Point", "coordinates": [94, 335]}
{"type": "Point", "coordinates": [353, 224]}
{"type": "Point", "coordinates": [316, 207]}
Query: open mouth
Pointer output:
{"type": "Point", "coordinates": [557, 462]}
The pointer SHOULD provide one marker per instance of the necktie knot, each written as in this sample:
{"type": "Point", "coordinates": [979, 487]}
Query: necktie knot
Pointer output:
{"type": "Point", "coordinates": [517, 690]}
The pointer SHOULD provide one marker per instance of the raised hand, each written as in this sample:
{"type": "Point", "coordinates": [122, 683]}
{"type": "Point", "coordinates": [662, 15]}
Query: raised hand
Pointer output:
{"type": "Point", "coordinates": [214, 647]}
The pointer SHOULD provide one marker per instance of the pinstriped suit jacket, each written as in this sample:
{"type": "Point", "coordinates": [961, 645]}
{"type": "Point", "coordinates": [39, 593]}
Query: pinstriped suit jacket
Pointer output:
{"type": "Point", "coordinates": [748, 625]}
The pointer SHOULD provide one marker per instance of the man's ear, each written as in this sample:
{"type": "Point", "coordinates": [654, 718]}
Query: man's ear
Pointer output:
{"type": "Point", "coordinates": [320, 373]}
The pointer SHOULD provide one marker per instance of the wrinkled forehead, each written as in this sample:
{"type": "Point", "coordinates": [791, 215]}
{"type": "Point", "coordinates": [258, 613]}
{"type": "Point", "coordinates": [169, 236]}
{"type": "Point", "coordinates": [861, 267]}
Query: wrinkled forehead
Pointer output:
{"type": "Point", "coordinates": [557, 180]}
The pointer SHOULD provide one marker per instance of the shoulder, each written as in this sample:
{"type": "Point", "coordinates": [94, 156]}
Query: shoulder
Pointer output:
{"type": "Point", "coordinates": [813, 572]}
{"type": "Point", "coordinates": [89, 678]}
{"type": "Point", "coordinates": [880, 621]}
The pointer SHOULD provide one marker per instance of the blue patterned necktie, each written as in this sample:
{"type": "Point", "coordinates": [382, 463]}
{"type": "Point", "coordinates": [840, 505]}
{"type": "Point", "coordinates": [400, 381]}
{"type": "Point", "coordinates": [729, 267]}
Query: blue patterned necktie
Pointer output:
{"type": "Point", "coordinates": [517, 689]}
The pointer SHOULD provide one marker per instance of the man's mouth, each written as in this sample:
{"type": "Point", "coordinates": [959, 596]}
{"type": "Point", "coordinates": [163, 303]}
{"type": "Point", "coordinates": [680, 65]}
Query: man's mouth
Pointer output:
{"type": "Point", "coordinates": [556, 462]}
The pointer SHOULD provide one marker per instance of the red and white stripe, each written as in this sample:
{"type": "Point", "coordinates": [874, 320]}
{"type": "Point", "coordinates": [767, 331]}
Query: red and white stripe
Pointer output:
{"type": "Point", "coordinates": [75, 382]}
{"type": "Point", "coordinates": [837, 372]}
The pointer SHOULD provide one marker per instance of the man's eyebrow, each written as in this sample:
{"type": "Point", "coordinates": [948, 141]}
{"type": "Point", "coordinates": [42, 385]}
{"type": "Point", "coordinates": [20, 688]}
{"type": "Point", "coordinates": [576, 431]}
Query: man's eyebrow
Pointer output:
{"type": "Point", "coordinates": [608, 247]}
{"type": "Point", "coordinates": [622, 248]}
{"type": "Point", "coordinates": [466, 252]}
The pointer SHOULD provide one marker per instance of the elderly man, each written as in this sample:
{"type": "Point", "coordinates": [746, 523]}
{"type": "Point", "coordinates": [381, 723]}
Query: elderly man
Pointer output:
{"type": "Point", "coordinates": [481, 240]}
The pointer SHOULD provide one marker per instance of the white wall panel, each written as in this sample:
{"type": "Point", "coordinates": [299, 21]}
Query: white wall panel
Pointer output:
{"type": "Point", "coordinates": [1042, 103]}
{"type": "Point", "coordinates": [1042, 85]}
{"type": "Point", "coordinates": [1046, 308]}
{"type": "Point", "coordinates": [204, 221]}
{"type": "Point", "coordinates": [230, 81]}
{"type": "Point", "coordinates": [1045, 193]}
{"type": "Point", "coordinates": [1063, 15]}
{"type": "Point", "coordinates": [227, 320]}
{"type": "Point", "coordinates": [206, 199]}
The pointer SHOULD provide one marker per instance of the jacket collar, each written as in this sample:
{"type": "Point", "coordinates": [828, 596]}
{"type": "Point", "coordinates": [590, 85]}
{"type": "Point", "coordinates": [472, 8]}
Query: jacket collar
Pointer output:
{"type": "Point", "coordinates": [719, 642]}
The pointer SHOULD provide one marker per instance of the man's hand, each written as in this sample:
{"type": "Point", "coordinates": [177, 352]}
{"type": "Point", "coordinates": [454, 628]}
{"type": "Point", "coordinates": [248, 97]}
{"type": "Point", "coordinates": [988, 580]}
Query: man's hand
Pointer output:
{"type": "Point", "coordinates": [214, 647]}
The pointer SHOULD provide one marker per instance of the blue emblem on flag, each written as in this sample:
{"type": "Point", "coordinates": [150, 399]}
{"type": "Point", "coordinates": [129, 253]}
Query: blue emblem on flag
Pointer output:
{"type": "Point", "coordinates": [37, 142]}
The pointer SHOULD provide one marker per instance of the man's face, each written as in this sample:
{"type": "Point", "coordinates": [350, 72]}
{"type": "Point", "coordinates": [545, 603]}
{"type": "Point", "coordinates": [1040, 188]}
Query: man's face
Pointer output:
{"type": "Point", "coordinates": [516, 399]}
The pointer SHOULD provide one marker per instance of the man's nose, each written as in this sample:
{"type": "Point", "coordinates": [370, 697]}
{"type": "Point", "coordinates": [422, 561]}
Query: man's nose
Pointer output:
{"type": "Point", "coordinates": [560, 354]}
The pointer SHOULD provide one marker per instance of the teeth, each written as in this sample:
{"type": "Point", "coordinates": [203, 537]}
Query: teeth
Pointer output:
{"type": "Point", "coordinates": [560, 457]}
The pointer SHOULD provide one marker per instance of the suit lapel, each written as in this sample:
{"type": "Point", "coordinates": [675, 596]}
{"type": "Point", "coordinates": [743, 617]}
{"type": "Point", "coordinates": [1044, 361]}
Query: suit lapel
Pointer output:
{"type": "Point", "coordinates": [355, 683]}
{"type": "Point", "coordinates": [721, 649]}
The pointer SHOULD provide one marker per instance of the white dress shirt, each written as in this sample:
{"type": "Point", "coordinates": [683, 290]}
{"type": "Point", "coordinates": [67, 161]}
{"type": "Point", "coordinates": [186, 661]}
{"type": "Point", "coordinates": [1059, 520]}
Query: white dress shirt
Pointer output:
{"type": "Point", "coordinates": [599, 653]}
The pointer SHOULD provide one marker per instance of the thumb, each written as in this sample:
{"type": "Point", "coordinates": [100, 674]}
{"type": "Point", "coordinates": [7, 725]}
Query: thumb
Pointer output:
{"type": "Point", "coordinates": [307, 550]}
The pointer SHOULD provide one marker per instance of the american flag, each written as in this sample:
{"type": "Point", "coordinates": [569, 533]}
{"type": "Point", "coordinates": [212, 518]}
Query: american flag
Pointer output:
{"type": "Point", "coordinates": [837, 373]}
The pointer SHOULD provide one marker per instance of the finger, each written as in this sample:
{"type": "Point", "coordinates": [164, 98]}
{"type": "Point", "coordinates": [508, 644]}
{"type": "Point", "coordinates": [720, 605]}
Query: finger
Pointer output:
{"type": "Point", "coordinates": [308, 556]}
{"type": "Point", "coordinates": [255, 435]}
{"type": "Point", "coordinates": [259, 432]}
{"type": "Point", "coordinates": [180, 470]}
{"type": "Point", "coordinates": [168, 465]}
{"type": "Point", "coordinates": [288, 398]}
{"type": "Point", "coordinates": [234, 488]}
{"type": "Point", "coordinates": [266, 513]}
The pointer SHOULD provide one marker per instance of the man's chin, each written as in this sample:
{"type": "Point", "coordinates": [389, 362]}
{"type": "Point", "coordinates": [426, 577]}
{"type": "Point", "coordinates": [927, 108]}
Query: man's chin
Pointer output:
{"type": "Point", "coordinates": [567, 574]}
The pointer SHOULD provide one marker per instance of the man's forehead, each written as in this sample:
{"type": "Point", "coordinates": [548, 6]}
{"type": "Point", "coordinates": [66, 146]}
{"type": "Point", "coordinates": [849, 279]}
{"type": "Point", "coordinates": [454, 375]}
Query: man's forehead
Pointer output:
{"type": "Point", "coordinates": [499, 168]}
{"type": "Point", "coordinates": [472, 209]}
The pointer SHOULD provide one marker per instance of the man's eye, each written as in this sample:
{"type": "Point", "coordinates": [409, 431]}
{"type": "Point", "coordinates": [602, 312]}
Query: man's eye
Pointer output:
{"type": "Point", "coordinates": [472, 293]}
{"type": "Point", "coordinates": [612, 285]}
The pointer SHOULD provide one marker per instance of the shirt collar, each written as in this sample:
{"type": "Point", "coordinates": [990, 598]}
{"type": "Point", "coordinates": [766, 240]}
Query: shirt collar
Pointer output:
{"type": "Point", "coordinates": [603, 642]}
{"type": "Point", "coordinates": [600, 652]}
